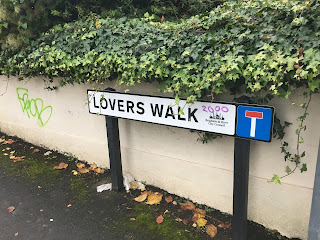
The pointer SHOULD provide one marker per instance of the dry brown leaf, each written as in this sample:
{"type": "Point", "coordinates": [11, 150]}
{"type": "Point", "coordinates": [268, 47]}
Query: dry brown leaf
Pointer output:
{"type": "Point", "coordinates": [83, 170]}
{"type": "Point", "coordinates": [225, 225]}
{"type": "Point", "coordinates": [36, 150]}
{"type": "Point", "coordinates": [18, 159]}
{"type": "Point", "coordinates": [11, 209]}
{"type": "Point", "coordinates": [159, 219]}
{"type": "Point", "coordinates": [92, 167]}
{"type": "Point", "coordinates": [141, 198]}
{"type": "Point", "coordinates": [185, 221]}
{"type": "Point", "coordinates": [187, 206]}
{"type": "Point", "coordinates": [134, 185]}
{"type": "Point", "coordinates": [12, 157]}
{"type": "Point", "coordinates": [99, 170]}
{"type": "Point", "coordinates": [54, 156]}
{"type": "Point", "coordinates": [10, 141]}
{"type": "Point", "coordinates": [201, 222]}
{"type": "Point", "coordinates": [147, 192]}
{"type": "Point", "coordinates": [168, 199]}
{"type": "Point", "coordinates": [178, 219]}
{"type": "Point", "coordinates": [201, 212]}
{"type": "Point", "coordinates": [154, 198]}
{"type": "Point", "coordinates": [80, 165]}
{"type": "Point", "coordinates": [196, 217]}
{"type": "Point", "coordinates": [61, 166]}
{"type": "Point", "coordinates": [212, 230]}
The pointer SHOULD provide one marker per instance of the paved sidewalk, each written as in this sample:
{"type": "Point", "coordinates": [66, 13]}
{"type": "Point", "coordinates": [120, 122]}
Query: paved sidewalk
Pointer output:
{"type": "Point", "coordinates": [53, 204]}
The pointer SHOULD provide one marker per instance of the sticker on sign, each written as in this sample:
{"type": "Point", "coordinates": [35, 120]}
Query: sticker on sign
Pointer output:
{"type": "Point", "coordinates": [201, 115]}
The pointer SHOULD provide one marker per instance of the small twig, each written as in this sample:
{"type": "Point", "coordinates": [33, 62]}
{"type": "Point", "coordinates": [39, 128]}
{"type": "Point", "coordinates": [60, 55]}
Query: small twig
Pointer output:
{"type": "Point", "coordinates": [6, 88]}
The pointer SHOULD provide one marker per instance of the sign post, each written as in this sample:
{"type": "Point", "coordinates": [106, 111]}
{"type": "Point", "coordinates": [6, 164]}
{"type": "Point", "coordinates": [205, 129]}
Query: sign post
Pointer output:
{"type": "Point", "coordinates": [241, 120]}
{"type": "Point", "coordinates": [112, 126]}
{"type": "Point", "coordinates": [240, 181]}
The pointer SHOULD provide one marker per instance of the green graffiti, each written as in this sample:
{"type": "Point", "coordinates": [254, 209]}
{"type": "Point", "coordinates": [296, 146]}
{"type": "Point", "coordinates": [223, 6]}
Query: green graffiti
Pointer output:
{"type": "Point", "coordinates": [34, 107]}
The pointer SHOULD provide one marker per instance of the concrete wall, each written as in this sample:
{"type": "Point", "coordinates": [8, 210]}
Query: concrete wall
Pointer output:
{"type": "Point", "coordinates": [172, 158]}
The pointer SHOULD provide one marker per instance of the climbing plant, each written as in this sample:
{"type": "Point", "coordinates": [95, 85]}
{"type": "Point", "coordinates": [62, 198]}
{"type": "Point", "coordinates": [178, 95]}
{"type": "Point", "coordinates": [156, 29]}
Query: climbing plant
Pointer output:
{"type": "Point", "coordinates": [262, 48]}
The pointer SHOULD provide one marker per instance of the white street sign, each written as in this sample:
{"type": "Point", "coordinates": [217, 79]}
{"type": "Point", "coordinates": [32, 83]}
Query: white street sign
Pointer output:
{"type": "Point", "coordinates": [204, 116]}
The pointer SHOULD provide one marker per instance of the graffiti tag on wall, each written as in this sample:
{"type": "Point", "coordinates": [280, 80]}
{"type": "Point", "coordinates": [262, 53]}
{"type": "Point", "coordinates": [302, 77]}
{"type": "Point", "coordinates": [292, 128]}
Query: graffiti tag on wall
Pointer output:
{"type": "Point", "coordinates": [34, 107]}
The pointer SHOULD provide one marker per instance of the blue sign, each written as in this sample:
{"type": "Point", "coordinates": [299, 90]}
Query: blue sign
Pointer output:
{"type": "Point", "coordinates": [254, 122]}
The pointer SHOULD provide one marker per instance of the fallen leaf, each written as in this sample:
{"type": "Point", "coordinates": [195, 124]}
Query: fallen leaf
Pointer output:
{"type": "Point", "coordinates": [36, 150]}
{"type": "Point", "coordinates": [194, 225]}
{"type": "Point", "coordinates": [92, 167]}
{"type": "Point", "coordinates": [11, 209]}
{"type": "Point", "coordinates": [80, 165]}
{"type": "Point", "coordinates": [5, 154]}
{"type": "Point", "coordinates": [54, 156]}
{"type": "Point", "coordinates": [141, 198]}
{"type": "Point", "coordinates": [159, 219]}
{"type": "Point", "coordinates": [10, 141]}
{"type": "Point", "coordinates": [166, 211]}
{"type": "Point", "coordinates": [16, 234]}
{"type": "Point", "coordinates": [201, 222]}
{"type": "Point", "coordinates": [69, 205]}
{"type": "Point", "coordinates": [134, 185]}
{"type": "Point", "coordinates": [143, 189]}
{"type": "Point", "coordinates": [225, 225]}
{"type": "Point", "coordinates": [212, 230]}
{"type": "Point", "coordinates": [196, 217]}
{"type": "Point", "coordinates": [47, 153]}
{"type": "Point", "coordinates": [61, 166]}
{"type": "Point", "coordinates": [75, 172]}
{"type": "Point", "coordinates": [12, 157]}
{"type": "Point", "coordinates": [174, 203]}
{"type": "Point", "coordinates": [99, 170]}
{"type": "Point", "coordinates": [187, 206]}
{"type": "Point", "coordinates": [178, 219]}
{"type": "Point", "coordinates": [8, 148]}
{"type": "Point", "coordinates": [147, 192]}
{"type": "Point", "coordinates": [83, 170]}
{"type": "Point", "coordinates": [132, 219]}
{"type": "Point", "coordinates": [168, 199]}
{"type": "Point", "coordinates": [185, 222]}
{"type": "Point", "coordinates": [31, 147]}
{"type": "Point", "coordinates": [12, 152]}
{"type": "Point", "coordinates": [154, 198]}
{"type": "Point", "coordinates": [18, 159]}
{"type": "Point", "coordinates": [201, 212]}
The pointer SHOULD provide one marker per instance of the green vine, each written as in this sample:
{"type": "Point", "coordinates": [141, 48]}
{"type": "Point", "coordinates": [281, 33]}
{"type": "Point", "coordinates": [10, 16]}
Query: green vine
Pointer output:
{"type": "Point", "coordinates": [296, 157]}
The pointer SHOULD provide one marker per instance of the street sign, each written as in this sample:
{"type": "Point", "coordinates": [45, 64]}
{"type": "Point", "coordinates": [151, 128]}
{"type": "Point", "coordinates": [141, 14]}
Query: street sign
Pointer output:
{"type": "Point", "coordinates": [253, 122]}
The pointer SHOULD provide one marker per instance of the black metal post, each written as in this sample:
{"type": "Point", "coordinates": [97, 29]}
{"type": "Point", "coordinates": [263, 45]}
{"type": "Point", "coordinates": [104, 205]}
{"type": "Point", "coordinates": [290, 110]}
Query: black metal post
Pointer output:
{"type": "Point", "coordinates": [114, 152]}
{"type": "Point", "coordinates": [314, 223]}
{"type": "Point", "coordinates": [240, 185]}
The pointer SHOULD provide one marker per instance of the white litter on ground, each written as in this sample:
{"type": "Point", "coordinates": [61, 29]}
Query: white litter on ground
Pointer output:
{"type": "Point", "coordinates": [104, 187]}
{"type": "Point", "coordinates": [127, 178]}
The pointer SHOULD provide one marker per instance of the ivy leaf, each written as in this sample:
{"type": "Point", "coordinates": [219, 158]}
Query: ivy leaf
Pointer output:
{"type": "Point", "coordinates": [288, 169]}
{"type": "Point", "coordinates": [303, 168]}
{"type": "Point", "coordinates": [276, 179]}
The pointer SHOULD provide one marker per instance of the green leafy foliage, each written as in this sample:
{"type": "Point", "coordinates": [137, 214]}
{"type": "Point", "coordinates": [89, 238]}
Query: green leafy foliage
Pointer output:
{"type": "Point", "coordinates": [254, 43]}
